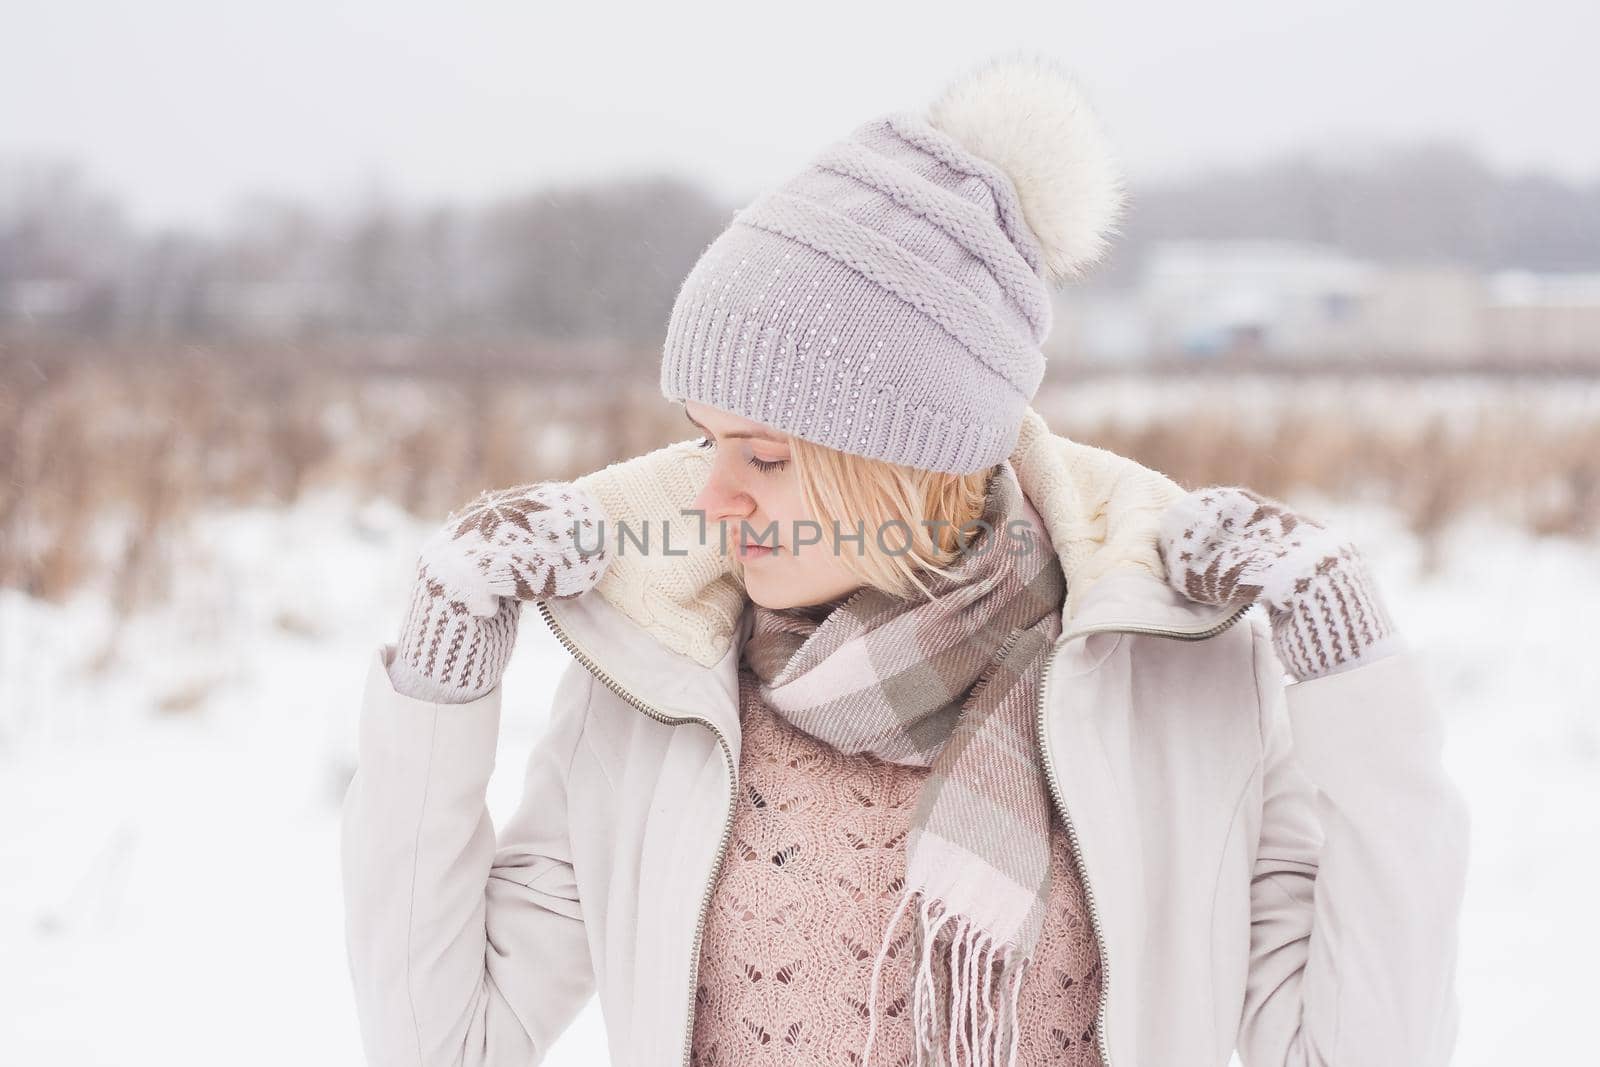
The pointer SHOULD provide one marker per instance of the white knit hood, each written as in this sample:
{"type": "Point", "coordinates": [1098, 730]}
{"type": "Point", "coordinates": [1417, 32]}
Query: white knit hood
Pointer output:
{"type": "Point", "coordinates": [1101, 510]}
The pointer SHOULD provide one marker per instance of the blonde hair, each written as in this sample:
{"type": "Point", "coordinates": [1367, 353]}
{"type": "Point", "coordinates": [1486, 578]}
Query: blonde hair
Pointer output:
{"type": "Point", "coordinates": [917, 513]}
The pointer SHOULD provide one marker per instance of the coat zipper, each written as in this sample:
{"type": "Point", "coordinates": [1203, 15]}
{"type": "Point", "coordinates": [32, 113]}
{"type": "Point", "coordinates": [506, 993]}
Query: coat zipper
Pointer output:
{"type": "Point", "coordinates": [733, 793]}
{"type": "Point", "coordinates": [605, 679]}
{"type": "Point", "coordinates": [1066, 818]}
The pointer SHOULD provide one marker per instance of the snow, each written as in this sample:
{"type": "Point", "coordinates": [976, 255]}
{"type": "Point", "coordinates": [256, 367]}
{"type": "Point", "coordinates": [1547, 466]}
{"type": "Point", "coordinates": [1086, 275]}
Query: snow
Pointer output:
{"type": "Point", "coordinates": [169, 827]}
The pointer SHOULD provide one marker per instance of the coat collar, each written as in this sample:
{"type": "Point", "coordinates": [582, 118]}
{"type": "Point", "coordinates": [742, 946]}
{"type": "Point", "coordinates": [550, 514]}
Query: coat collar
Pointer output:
{"type": "Point", "coordinates": [665, 623]}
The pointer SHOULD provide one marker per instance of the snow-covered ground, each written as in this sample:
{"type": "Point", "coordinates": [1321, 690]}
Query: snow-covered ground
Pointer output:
{"type": "Point", "coordinates": [169, 884]}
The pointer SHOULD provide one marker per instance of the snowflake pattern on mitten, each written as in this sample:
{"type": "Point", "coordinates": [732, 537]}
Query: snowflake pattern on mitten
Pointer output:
{"type": "Point", "coordinates": [531, 542]}
{"type": "Point", "coordinates": [1229, 544]}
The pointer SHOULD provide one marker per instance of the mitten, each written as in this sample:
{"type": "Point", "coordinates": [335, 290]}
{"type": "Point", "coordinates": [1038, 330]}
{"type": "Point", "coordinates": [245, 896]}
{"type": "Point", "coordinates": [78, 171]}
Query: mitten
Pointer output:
{"type": "Point", "coordinates": [506, 547]}
{"type": "Point", "coordinates": [1227, 544]}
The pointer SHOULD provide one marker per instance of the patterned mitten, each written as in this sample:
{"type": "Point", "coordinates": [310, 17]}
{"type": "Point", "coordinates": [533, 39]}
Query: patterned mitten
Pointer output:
{"type": "Point", "coordinates": [508, 546]}
{"type": "Point", "coordinates": [1227, 544]}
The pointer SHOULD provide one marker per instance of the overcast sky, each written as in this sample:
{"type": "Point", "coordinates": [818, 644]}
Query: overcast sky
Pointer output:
{"type": "Point", "coordinates": [181, 107]}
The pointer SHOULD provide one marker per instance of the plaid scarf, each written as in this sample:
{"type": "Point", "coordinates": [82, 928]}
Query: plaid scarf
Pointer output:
{"type": "Point", "coordinates": [949, 683]}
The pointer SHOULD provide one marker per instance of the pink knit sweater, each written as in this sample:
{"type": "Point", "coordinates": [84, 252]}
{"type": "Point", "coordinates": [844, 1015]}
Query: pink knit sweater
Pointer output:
{"type": "Point", "coordinates": [813, 873]}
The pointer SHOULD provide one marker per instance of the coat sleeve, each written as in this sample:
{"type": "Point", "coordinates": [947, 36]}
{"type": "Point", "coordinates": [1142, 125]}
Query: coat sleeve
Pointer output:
{"type": "Point", "coordinates": [462, 949]}
{"type": "Point", "coordinates": [1359, 872]}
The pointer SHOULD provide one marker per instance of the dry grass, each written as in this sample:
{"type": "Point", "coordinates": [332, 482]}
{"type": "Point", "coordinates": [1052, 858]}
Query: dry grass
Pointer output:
{"type": "Point", "coordinates": [100, 463]}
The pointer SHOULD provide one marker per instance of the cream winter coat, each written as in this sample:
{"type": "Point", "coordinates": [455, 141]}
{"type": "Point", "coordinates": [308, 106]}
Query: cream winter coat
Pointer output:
{"type": "Point", "coordinates": [1274, 867]}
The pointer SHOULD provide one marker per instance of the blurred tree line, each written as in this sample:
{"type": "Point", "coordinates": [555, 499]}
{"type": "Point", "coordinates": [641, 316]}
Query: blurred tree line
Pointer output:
{"type": "Point", "coordinates": [583, 276]}
{"type": "Point", "coordinates": [596, 263]}
{"type": "Point", "coordinates": [1427, 203]}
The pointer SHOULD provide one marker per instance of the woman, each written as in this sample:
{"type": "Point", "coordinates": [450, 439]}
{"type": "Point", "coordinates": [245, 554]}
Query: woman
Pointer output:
{"type": "Point", "coordinates": [899, 728]}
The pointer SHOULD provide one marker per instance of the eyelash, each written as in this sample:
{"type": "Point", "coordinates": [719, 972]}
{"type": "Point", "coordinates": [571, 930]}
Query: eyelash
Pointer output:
{"type": "Point", "coordinates": [762, 465]}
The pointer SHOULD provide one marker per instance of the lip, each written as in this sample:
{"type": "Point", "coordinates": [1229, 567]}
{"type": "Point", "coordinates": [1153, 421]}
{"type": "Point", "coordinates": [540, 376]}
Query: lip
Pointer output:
{"type": "Point", "coordinates": [749, 550]}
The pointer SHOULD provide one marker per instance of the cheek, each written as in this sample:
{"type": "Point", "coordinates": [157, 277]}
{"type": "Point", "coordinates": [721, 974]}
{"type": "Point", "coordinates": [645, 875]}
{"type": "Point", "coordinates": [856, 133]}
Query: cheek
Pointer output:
{"type": "Point", "coordinates": [778, 497]}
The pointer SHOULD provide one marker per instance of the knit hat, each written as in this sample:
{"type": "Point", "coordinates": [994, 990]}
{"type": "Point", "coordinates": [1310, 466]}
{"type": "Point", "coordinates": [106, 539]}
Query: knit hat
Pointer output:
{"type": "Point", "coordinates": [890, 300]}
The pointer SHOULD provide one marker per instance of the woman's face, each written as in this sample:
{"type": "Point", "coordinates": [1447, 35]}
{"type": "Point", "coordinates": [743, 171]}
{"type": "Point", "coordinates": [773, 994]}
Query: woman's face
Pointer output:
{"type": "Point", "coordinates": [753, 494]}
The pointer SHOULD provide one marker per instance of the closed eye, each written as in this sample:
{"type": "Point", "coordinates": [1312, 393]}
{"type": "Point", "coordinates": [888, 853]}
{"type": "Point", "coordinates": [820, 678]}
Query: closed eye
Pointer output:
{"type": "Point", "coordinates": [765, 466]}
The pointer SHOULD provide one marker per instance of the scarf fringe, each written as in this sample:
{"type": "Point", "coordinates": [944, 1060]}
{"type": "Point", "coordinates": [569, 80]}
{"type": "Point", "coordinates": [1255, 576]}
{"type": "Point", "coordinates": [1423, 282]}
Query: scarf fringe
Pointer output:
{"type": "Point", "coordinates": [970, 967]}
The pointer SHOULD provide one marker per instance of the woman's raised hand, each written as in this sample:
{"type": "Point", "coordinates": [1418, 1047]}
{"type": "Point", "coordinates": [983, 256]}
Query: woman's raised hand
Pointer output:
{"type": "Point", "coordinates": [508, 546]}
{"type": "Point", "coordinates": [1227, 544]}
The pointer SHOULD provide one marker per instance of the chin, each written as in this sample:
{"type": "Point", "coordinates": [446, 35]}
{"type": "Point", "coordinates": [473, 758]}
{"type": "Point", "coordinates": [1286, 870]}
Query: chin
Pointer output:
{"type": "Point", "coordinates": [767, 593]}
{"type": "Point", "coordinates": [778, 588]}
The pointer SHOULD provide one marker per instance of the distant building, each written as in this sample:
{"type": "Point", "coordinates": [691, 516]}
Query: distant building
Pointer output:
{"type": "Point", "coordinates": [1424, 312]}
{"type": "Point", "coordinates": [1206, 298]}
{"type": "Point", "coordinates": [1294, 300]}
{"type": "Point", "coordinates": [1532, 316]}
{"type": "Point", "coordinates": [1099, 324]}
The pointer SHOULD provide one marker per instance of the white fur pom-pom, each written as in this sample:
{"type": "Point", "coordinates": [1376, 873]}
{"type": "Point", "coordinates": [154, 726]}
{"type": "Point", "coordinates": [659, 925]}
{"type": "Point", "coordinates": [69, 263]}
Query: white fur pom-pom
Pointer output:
{"type": "Point", "coordinates": [1027, 115]}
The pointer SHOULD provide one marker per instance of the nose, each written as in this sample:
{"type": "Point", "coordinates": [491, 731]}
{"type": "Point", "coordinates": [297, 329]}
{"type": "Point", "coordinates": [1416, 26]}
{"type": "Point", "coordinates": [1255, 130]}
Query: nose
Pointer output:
{"type": "Point", "coordinates": [720, 499]}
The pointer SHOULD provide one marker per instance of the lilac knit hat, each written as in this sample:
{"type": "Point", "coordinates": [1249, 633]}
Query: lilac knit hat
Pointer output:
{"type": "Point", "coordinates": [890, 300]}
